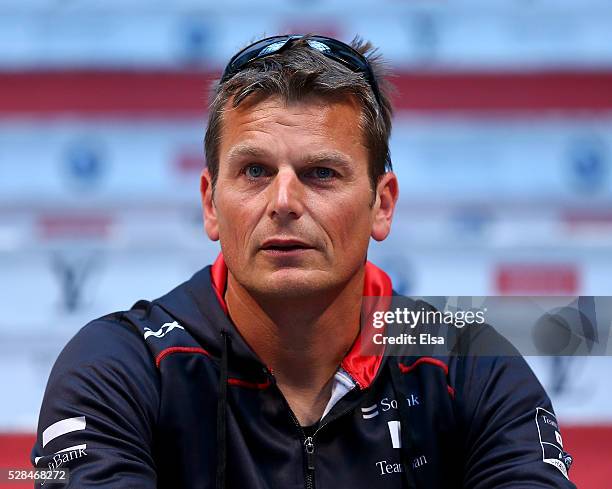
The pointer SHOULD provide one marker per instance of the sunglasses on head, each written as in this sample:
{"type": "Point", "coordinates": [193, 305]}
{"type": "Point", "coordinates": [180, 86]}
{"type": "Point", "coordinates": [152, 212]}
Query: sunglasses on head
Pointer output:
{"type": "Point", "coordinates": [331, 48]}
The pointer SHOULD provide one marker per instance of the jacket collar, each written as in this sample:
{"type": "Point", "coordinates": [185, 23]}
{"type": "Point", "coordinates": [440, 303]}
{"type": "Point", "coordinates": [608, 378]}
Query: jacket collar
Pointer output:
{"type": "Point", "coordinates": [362, 368]}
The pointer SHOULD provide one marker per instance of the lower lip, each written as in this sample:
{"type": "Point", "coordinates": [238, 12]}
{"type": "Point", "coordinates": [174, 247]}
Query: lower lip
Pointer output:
{"type": "Point", "coordinates": [286, 253]}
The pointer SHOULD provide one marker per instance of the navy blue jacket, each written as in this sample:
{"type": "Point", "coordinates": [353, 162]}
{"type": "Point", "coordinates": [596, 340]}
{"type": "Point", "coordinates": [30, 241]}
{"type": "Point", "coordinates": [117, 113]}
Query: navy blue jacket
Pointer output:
{"type": "Point", "coordinates": [169, 395]}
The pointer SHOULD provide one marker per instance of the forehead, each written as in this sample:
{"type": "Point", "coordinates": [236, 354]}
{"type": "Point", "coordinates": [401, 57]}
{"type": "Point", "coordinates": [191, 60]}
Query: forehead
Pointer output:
{"type": "Point", "coordinates": [276, 126]}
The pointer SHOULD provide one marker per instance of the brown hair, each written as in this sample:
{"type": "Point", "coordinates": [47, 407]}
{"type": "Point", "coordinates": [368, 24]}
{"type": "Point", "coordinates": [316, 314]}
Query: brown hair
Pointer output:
{"type": "Point", "coordinates": [296, 73]}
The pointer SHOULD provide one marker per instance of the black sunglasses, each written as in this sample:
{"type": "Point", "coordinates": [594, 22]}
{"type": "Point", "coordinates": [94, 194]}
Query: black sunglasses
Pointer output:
{"type": "Point", "coordinates": [331, 48]}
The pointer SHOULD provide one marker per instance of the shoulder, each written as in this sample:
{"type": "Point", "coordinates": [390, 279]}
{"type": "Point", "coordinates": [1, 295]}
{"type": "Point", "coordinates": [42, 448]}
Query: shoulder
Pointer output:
{"type": "Point", "coordinates": [110, 340]}
{"type": "Point", "coordinates": [493, 380]}
{"type": "Point", "coordinates": [107, 362]}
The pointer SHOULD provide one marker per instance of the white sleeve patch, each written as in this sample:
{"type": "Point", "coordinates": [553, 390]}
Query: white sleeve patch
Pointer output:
{"type": "Point", "coordinates": [551, 441]}
{"type": "Point", "coordinates": [62, 427]}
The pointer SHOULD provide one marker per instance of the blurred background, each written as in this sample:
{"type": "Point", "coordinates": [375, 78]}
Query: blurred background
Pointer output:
{"type": "Point", "coordinates": [502, 144]}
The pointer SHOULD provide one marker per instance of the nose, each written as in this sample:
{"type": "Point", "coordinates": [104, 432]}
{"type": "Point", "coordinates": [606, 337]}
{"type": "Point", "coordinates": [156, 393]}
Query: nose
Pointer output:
{"type": "Point", "coordinates": [286, 195]}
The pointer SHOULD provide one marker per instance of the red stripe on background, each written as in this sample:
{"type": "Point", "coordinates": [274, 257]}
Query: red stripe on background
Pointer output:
{"type": "Point", "coordinates": [512, 91]}
{"type": "Point", "coordinates": [592, 451]}
{"type": "Point", "coordinates": [589, 445]}
{"type": "Point", "coordinates": [15, 449]}
{"type": "Point", "coordinates": [537, 279]}
{"type": "Point", "coordinates": [104, 92]}
{"type": "Point", "coordinates": [172, 93]}
{"type": "Point", "coordinates": [15, 454]}
{"type": "Point", "coordinates": [74, 226]}
{"type": "Point", "coordinates": [595, 218]}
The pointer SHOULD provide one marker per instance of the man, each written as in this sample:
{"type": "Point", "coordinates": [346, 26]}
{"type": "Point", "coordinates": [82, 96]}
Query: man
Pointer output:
{"type": "Point", "coordinates": [250, 374]}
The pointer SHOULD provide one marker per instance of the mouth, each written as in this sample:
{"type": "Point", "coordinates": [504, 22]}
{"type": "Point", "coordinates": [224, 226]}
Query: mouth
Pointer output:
{"type": "Point", "coordinates": [285, 246]}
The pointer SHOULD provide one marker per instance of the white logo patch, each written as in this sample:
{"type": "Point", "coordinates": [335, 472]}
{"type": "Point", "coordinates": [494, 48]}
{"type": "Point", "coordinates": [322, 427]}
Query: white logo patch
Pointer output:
{"type": "Point", "coordinates": [163, 331]}
{"type": "Point", "coordinates": [370, 411]}
{"type": "Point", "coordinates": [62, 427]}
{"type": "Point", "coordinates": [551, 441]}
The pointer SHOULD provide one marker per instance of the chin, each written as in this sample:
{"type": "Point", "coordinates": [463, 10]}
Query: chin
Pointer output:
{"type": "Point", "coordinates": [292, 284]}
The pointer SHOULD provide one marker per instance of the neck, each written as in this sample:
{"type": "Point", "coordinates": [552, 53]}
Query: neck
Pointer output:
{"type": "Point", "coordinates": [302, 340]}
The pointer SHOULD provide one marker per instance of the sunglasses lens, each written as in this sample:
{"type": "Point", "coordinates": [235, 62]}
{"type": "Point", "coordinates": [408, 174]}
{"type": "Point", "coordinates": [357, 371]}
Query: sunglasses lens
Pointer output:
{"type": "Point", "coordinates": [272, 48]}
{"type": "Point", "coordinates": [319, 46]}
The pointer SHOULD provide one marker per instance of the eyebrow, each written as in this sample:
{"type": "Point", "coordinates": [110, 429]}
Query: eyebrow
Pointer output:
{"type": "Point", "coordinates": [336, 158]}
{"type": "Point", "coordinates": [245, 150]}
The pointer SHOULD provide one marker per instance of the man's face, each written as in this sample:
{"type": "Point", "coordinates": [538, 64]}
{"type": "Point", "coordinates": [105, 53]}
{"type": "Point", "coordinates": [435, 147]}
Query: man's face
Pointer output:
{"type": "Point", "coordinates": [292, 205]}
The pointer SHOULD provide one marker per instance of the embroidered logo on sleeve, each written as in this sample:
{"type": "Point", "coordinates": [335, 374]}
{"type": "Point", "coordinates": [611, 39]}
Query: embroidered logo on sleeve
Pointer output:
{"type": "Point", "coordinates": [551, 441]}
{"type": "Point", "coordinates": [163, 331]}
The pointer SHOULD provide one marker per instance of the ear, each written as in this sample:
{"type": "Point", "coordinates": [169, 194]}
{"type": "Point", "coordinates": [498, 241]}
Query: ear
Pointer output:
{"type": "Point", "coordinates": [387, 192]}
{"type": "Point", "coordinates": [208, 206]}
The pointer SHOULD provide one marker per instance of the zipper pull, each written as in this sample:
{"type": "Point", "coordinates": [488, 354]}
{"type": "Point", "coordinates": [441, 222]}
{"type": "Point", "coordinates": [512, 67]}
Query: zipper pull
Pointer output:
{"type": "Point", "coordinates": [310, 448]}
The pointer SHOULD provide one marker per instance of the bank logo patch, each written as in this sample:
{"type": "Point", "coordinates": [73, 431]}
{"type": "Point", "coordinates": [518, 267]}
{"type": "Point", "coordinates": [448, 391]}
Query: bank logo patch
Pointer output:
{"type": "Point", "coordinates": [163, 331]}
{"type": "Point", "coordinates": [370, 411]}
{"type": "Point", "coordinates": [551, 441]}
{"type": "Point", "coordinates": [56, 460]}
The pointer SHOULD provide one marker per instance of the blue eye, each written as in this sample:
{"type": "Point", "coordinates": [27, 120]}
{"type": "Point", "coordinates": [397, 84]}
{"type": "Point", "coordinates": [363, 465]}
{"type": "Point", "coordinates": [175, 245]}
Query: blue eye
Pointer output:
{"type": "Point", "coordinates": [254, 171]}
{"type": "Point", "coordinates": [323, 173]}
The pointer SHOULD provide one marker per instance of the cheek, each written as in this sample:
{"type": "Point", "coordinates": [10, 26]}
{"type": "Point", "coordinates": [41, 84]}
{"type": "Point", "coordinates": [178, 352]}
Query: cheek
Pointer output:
{"type": "Point", "coordinates": [349, 225]}
{"type": "Point", "coordinates": [237, 219]}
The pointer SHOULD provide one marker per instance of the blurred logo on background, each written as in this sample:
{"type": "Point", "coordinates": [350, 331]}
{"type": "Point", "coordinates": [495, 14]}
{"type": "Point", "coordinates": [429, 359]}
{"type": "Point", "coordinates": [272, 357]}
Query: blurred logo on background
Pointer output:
{"type": "Point", "coordinates": [73, 272]}
{"type": "Point", "coordinates": [85, 164]}
{"type": "Point", "coordinates": [471, 223]}
{"type": "Point", "coordinates": [423, 32]}
{"type": "Point", "coordinates": [589, 165]}
{"type": "Point", "coordinates": [195, 41]}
